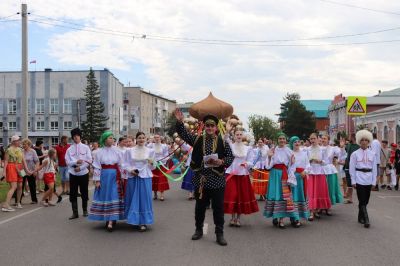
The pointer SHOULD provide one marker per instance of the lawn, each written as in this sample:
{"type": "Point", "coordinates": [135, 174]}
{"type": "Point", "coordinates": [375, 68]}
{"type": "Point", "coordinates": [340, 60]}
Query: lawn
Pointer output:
{"type": "Point", "coordinates": [4, 188]}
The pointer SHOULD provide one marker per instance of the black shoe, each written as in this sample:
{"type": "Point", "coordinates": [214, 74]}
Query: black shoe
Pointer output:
{"type": "Point", "coordinates": [396, 187]}
{"type": "Point", "coordinates": [365, 215]}
{"type": "Point", "coordinates": [389, 188]}
{"type": "Point", "coordinates": [383, 186]}
{"type": "Point", "coordinates": [221, 240]}
{"type": "Point", "coordinates": [85, 214]}
{"type": "Point", "coordinates": [275, 222]}
{"type": "Point", "coordinates": [197, 235]}
{"type": "Point", "coordinates": [74, 216]}
{"type": "Point", "coordinates": [59, 199]}
{"type": "Point", "coordinates": [376, 188]}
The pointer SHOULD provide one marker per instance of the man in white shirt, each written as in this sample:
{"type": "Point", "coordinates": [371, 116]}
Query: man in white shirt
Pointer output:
{"type": "Point", "coordinates": [78, 159]}
{"type": "Point", "coordinates": [376, 148]}
{"type": "Point", "coordinates": [363, 172]}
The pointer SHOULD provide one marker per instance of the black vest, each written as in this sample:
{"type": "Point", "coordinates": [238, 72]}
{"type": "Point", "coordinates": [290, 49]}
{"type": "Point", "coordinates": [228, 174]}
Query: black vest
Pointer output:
{"type": "Point", "coordinates": [197, 155]}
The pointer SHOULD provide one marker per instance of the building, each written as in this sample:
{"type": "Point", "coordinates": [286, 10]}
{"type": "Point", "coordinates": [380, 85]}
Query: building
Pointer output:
{"type": "Point", "coordinates": [56, 103]}
{"type": "Point", "coordinates": [339, 121]}
{"type": "Point", "coordinates": [320, 110]}
{"type": "Point", "coordinates": [145, 111]}
{"type": "Point", "coordinates": [184, 107]}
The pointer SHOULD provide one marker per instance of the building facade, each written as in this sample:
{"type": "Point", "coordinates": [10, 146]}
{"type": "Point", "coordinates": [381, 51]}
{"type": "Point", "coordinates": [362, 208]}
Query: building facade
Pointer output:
{"type": "Point", "coordinates": [339, 121]}
{"type": "Point", "coordinates": [184, 107]}
{"type": "Point", "coordinates": [145, 111]}
{"type": "Point", "coordinates": [56, 103]}
{"type": "Point", "coordinates": [320, 110]}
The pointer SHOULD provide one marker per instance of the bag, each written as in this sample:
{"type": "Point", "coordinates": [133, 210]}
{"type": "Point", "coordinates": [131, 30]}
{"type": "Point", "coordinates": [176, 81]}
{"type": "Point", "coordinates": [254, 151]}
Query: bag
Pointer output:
{"type": "Point", "coordinates": [22, 173]}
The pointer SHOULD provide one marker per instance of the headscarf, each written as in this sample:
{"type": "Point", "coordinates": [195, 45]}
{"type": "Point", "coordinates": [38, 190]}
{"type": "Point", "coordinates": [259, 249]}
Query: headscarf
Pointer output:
{"type": "Point", "coordinates": [280, 134]}
{"type": "Point", "coordinates": [105, 136]}
{"type": "Point", "coordinates": [292, 141]}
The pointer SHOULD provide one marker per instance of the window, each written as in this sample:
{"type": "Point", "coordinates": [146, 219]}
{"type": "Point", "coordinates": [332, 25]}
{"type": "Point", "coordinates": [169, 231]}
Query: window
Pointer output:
{"type": "Point", "coordinates": [125, 96]}
{"type": "Point", "coordinates": [12, 125]}
{"type": "Point", "coordinates": [54, 141]}
{"type": "Point", "coordinates": [39, 106]}
{"type": "Point", "coordinates": [1, 125]}
{"type": "Point", "coordinates": [1, 106]}
{"type": "Point", "coordinates": [39, 125]}
{"type": "Point", "coordinates": [53, 106]}
{"type": "Point", "coordinates": [67, 125]}
{"type": "Point", "coordinates": [29, 125]}
{"type": "Point", "coordinates": [125, 107]}
{"type": "Point", "coordinates": [1, 141]}
{"type": "Point", "coordinates": [386, 133]}
{"type": "Point", "coordinates": [54, 125]}
{"type": "Point", "coordinates": [67, 106]}
{"type": "Point", "coordinates": [12, 107]}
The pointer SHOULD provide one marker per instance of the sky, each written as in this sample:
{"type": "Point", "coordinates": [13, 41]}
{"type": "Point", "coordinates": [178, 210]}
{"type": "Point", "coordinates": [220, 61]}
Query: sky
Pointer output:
{"type": "Point", "coordinates": [248, 53]}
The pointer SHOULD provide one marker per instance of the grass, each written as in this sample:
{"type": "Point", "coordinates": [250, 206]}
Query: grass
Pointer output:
{"type": "Point", "coordinates": [4, 188]}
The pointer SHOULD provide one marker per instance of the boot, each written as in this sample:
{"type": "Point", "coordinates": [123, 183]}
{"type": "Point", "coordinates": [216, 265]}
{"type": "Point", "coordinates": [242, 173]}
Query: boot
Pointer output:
{"type": "Point", "coordinates": [84, 208]}
{"type": "Point", "coordinates": [365, 214]}
{"type": "Point", "coordinates": [221, 240]}
{"type": "Point", "coordinates": [74, 210]}
{"type": "Point", "coordinates": [361, 219]}
{"type": "Point", "coordinates": [197, 234]}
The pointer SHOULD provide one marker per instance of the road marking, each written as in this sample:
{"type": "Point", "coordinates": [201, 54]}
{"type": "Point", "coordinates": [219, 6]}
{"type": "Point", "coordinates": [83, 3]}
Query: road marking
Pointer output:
{"type": "Point", "coordinates": [205, 228]}
{"type": "Point", "coordinates": [20, 215]}
{"type": "Point", "coordinates": [384, 197]}
{"type": "Point", "coordinates": [388, 217]}
{"type": "Point", "coordinates": [31, 211]}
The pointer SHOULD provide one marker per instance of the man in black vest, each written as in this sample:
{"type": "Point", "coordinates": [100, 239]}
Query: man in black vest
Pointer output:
{"type": "Point", "coordinates": [209, 179]}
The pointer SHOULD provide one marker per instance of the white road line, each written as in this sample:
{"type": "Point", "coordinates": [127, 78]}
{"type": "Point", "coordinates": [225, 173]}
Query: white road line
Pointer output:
{"type": "Point", "coordinates": [384, 197]}
{"type": "Point", "coordinates": [19, 215]}
{"type": "Point", "coordinates": [388, 217]}
{"type": "Point", "coordinates": [31, 211]}
{"type": "Point", "coordinates": [205, 228]}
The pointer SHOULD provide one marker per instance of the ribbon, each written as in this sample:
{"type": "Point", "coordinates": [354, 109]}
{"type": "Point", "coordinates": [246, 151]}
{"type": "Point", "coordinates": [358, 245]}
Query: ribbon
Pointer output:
{"type": "Point", "coordinates": [162, 159]}
{"type": "Point", "coordinates": [169, 176]}
{"type": "Point", "coordinates": [180, 163]}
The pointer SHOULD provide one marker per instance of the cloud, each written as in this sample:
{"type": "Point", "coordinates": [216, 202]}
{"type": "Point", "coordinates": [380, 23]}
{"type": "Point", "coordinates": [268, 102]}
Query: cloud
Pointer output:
{"type": "Point", "coordinates": [253, 79]}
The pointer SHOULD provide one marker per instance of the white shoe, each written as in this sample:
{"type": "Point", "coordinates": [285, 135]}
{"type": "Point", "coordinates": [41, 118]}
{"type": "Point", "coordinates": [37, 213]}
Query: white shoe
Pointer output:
{"type": "Point", "coordinates": [19, 206]}
{"type": "Point", "coordinates": [51, 204]}
{"type": "Point", "coordinates": [9, 209]}
{"type": "Point", "coordinates": [45, 204]}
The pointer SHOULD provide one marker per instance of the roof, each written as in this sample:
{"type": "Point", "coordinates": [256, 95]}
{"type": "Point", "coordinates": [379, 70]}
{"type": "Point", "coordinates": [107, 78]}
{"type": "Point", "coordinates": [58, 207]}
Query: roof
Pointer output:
{"type": "Point", "coordinates": [386, 99]}
{"type": "Point", "coordinates": [318, 107]}
{"type": "Point", "coordinates": [395, 92]}
{"type": "Point", "coordinates": [392, 108]}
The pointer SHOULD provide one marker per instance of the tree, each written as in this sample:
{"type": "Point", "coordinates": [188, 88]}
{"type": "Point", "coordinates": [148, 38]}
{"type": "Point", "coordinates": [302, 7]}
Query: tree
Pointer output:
{"type": "Point", "coordinates": [262, 126]}
{"type": "Point", "coordinates": [294, 118]}
{"type": "Point", "coordinates": [95, 122]}
{"type": "Point", "coordinates": [170, 125]}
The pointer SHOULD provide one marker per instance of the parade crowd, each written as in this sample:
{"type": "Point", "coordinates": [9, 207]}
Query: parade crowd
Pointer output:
{"type": "Point", "coordinates": [299, 179]}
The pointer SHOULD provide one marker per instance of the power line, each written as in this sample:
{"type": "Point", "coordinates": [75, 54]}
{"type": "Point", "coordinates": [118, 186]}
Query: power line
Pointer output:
{"type": "Point", "coordinates": [2, 18]}
{"type": "Point", "coordinates": [219, 43]}
{"type": "Point", "coordinates": [150, 36]}
{"type": "Point", "coordinates": [9, 20]}
{"type": "Point", "coordinates": [360, 7]}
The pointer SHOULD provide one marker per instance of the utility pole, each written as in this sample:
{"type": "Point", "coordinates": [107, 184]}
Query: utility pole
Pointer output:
{"type": "Point", "coordinates": [24, 72]}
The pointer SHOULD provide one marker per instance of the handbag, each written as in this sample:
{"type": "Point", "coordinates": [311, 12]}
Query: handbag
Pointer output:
{"type": "Point", "coordinates": [22, 173]}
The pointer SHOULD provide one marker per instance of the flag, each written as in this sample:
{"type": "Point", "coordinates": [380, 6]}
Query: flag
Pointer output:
{"type": "Point", "coordinates": [32, 62]}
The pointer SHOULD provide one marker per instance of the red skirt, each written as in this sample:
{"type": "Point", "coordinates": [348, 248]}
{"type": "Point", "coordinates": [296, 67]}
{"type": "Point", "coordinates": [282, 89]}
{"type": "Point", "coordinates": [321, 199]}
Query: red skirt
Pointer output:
{"type": "Point", "coordinates": [317, 192]}
{"type": "Point", "coordinates": [260, 187]}
{"type": "Point", "coordinates": [48, 178]}
{"type": "Point", "coordinates": [239, 196]}
{"type": "Point", "coordinates": [159, 181]}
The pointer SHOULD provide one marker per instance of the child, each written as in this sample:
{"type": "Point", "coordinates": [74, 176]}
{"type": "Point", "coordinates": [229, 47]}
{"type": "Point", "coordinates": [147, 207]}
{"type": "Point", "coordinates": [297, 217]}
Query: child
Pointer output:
{"type": "Point", "coordinates": [49, 167]}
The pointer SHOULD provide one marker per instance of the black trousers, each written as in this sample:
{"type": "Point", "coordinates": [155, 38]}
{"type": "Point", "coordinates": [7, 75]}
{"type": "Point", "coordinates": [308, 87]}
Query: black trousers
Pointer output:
{"type": "Point", "coordinates": [217, 199]}
{"type": "Point", "coordinates": [81, 182]}
{"type": "Point", "coordinates": [32, 188]}
{"type": "Point", "coordinates": [363, 194]}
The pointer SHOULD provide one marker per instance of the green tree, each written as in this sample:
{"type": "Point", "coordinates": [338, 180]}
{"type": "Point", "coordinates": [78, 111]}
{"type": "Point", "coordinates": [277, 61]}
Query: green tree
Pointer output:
{"type": "Point", "coordinates": [294, 118]}
{"type": "Point", "coordinates": [262, 126]}
{"type": "Point", "coordinates": [95, 122]}
{"type": "Point", "coordinates": [170, 125]}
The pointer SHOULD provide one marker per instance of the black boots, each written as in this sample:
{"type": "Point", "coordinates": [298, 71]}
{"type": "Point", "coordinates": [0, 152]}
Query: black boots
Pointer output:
{"type": "Point", "coordinates": [74, 210]}
{"type": "Point", "coordinates": [197, 234]}
{"type": "Point", "coordinates": [221, 240]}
{"type": "Point", "coordinates": [84, 208]}
{"type": "Point", "coordinates": [365, 216]}
{"type": "Point", "coordinates": [361, 219]}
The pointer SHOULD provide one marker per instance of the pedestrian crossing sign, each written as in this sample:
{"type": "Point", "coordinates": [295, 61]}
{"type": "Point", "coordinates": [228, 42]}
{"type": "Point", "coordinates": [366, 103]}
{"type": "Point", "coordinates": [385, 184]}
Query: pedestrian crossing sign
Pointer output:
{"type": "Point", "coordinates": [356, 105]}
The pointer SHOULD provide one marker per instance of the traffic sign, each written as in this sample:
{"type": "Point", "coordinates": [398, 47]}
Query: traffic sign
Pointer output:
{"type": "Point", "coordinates": [356, 105]}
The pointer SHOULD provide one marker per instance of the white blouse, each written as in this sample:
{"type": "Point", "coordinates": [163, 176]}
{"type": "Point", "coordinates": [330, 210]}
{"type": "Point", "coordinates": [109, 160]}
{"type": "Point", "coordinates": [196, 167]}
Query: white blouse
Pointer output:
{"type": "Point", "coordinates": [328, 153]}
{"type": "Point", "coordinates": [301, 160]}
{"type": "Point", "coordinates": [243, 155]}
{"type": "Point", "coordinates": [138, 158]}
{"type": "Point", "coordinates": [316, 154]}
{"type": "Point", "coordinates": [106, 155]}
{"type": "Point", "coordinates": [187, 148]}
{"type": "Point", "coordinates": [77, 152]}
{"type": "Point", "coordinates": [284, 156]}
{"type": "Point", "coordinates": [260, 156]}
{"type": "Point", "coordinates": [160, 151]}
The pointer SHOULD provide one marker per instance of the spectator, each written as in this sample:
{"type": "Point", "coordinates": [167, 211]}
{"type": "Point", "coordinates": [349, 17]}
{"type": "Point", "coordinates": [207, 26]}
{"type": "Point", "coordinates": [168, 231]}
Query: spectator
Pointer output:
{"type": "Point", "coordinates": [39, 151]}
{"type": "Point", "coordinates": [376, 148]}
{"type": "Point", "coordinates": [32, 162]}
{"type": "Point", "coordinates": [397, 164]}
{"type": "Point", "coordinates": [385, 161]}
{"type": "Point", "coordinates": [61, 149]}
{"type": "Point", "coordinates": [49, 167]}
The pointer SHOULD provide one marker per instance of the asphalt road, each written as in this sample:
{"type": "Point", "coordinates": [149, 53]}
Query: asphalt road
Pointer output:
{"type": "Point", "coordinates": [44, 236]}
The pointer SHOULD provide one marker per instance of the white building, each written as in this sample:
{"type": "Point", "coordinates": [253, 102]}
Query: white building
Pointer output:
{"type": "Point", "coordinates": [56, 103]}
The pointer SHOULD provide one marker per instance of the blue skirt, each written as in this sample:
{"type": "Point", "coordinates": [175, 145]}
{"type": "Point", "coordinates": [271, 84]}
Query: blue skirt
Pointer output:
{"type": "Point", "coordinates": [107, 204]}
{"type": "Point", "coordinates": [299, 199]}
{"type": "Point", "coordinates": [187, 181]}
{"type": "Point", "coordinates": [275, 206]}
{"type": "Point", "coordinates": [138, 201]}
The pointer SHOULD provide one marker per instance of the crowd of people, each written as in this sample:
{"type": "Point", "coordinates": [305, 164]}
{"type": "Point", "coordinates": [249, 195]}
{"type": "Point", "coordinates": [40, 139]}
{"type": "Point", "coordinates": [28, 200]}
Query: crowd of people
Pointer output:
{"type": "Point", "coordinates": [297, 179]}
